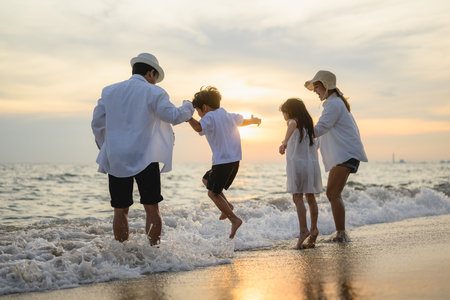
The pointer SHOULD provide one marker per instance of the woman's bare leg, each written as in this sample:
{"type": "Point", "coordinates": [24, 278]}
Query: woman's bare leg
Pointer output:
{"type": "Point", "coordinates": [336, 181]}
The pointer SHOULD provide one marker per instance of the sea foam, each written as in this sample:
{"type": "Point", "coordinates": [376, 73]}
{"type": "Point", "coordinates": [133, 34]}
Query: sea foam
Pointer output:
{"type": "Point", "coordinates": [58, 254]}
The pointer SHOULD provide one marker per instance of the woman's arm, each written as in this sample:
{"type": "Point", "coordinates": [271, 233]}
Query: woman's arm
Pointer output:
{"type": "Point", "coordinates": [329, 117]}
{"type": "Point", "coordinates": [292, 125]}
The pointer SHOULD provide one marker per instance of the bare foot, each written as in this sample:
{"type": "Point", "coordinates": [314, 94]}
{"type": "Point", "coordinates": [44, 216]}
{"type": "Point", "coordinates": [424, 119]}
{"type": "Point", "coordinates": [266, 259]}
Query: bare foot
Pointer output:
{"type": "Point", "coordinates": [301, 238]}
{"type": "Point", "coordinates": [234, 227]}
{"type": "Point", "coordinates": [312, 238]}
{"type": "Point", "coordinates": [341, 237]}
{"type": "Point", "coordinates": [224, 216]}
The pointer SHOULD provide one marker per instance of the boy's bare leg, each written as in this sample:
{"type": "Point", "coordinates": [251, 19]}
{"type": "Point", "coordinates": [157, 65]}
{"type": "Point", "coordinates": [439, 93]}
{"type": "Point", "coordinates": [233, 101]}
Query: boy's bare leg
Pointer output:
{"type": "Point", "coordinates": [153, 223]}
{"type": "Point", "coordinates": [314, 212]}
{"type": "Point", "coordinates": [120, 224]}
{"type": "Point", "coordinates": [222, 204]}
{"type": "Point", "coordinates": [222, 215]}
{"type": "Point", "coordinates": [301, 214]}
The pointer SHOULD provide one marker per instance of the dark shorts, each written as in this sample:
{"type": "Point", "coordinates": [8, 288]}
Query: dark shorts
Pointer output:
{"type": "Point", "coordinates": [221, 176]}
{"type": "Point", "coordinates": [352, 164]}
{"type": "Point", "coordinates": [148, 182]}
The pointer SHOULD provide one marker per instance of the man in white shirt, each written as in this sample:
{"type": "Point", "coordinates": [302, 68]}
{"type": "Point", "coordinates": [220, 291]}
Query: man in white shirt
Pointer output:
{"type": "Point", "coordinates": [131, 125]}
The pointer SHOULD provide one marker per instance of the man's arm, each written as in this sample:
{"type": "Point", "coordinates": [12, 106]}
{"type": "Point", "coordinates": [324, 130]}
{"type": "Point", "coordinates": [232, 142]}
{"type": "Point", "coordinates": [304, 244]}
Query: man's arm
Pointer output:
{"type": "Point", "coordinates": [195, 124]}
{"type": "Point", "coordinates": [252, 120]}
{"type": "Point", "coordinates": [168, 112]}
{"type": "Point", "coordinates": [98, 123]}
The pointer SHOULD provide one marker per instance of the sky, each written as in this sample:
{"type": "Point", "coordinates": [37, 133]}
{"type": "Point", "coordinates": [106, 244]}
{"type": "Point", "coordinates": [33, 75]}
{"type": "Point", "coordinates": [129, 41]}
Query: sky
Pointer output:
{"type": "Point", "coordinates": [391, 59]}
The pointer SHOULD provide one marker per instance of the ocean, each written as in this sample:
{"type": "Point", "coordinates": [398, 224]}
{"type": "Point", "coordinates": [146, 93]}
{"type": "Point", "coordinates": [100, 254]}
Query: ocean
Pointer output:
{"type": "Point", "coordinates": [56, 220]}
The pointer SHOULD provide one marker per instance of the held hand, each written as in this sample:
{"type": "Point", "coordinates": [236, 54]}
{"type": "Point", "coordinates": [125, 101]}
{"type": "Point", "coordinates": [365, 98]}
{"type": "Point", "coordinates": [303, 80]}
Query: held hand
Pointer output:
{"type": "Point", "coordinates": [282, 149]}
{"type": "Point", "coordinates": [255, 120]}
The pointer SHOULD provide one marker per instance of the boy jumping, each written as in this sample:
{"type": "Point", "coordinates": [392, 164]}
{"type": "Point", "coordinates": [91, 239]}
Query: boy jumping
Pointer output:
{"type": "Point", "coordinates": [220, 128]}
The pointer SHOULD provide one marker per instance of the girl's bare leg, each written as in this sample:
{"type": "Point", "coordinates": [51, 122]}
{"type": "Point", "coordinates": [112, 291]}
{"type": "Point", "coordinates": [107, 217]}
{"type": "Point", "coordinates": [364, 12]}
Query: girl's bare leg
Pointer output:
{"type": "Point", "coordinates": [301, 214]}
{"type": "Point", "coordinates": [314, 212]}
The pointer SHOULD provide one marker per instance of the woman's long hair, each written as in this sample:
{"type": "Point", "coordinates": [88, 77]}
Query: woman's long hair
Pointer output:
{"type": "Point", "coordinates": [296, 109]}
{"type": "Point", "coordinates": [340, 95]}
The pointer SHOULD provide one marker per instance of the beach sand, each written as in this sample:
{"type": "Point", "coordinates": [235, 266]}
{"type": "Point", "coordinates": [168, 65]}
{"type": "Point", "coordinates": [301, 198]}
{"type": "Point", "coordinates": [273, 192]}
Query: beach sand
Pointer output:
{"type": "Point", "coordinates": [403, 260]}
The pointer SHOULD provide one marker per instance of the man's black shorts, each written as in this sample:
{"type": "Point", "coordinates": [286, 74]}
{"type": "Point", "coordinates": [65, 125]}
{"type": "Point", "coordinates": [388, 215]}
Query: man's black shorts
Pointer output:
{"type": "Point", "coordinates": [221, 176]}
{"type": "Point", "coordinates": [148, 182]}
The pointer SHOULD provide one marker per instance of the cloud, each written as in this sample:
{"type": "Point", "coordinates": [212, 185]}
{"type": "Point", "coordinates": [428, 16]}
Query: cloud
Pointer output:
{"type": "Point", "coordinates": [390, 58]}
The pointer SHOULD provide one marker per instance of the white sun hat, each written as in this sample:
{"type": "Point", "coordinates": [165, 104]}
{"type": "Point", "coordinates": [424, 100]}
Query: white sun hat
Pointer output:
{"type": "Point", "coordinates": [150, 60]}
{"type": "Point", "coordinates": [327, 78]}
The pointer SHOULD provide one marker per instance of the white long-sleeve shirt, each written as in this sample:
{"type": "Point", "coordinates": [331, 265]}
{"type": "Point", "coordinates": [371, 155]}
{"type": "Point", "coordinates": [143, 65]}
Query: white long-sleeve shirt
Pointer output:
{"type": "Point", "coordinates": [131, 125]}
{"type": "Point", "coordinates": [338, 134]}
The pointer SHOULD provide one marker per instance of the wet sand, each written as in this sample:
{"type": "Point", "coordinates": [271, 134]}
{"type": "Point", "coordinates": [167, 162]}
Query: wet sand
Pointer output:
{"type": "Point", "coordinates": [404, 260]}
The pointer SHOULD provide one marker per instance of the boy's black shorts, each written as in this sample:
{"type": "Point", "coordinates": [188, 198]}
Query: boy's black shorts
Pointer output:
{"type": "Point", "coordinates": [148, 182]}
{"type": "Point", "coordinates": [221, 176]}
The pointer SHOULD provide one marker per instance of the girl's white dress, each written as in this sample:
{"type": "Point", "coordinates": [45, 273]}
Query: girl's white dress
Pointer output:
{"type": "Point", "coordinates": [302, 165]}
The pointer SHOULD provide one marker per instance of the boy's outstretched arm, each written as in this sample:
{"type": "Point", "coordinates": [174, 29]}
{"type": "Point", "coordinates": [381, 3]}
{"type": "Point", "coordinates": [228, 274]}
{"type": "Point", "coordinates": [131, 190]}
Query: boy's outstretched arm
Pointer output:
{"type": "Point", "coordinates": [195, 124]}
{"type": "Point", "coordinates": [252, 120]}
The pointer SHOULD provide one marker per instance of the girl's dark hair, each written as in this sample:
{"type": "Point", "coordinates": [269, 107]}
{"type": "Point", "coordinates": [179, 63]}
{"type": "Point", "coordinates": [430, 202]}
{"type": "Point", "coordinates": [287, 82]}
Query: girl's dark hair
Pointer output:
{"type": "Point", "coordinates": [209, 96]}
{"type": "Point", "coordinates": [296, 109]}
{"type": "Point", "coordinates": [342, 97]}
{"type": "Point", "coordinates": [142, 69]}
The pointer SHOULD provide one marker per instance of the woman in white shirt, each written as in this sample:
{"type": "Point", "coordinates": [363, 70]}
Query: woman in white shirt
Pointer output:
{"type": "Point", "coordinates": [339, 141]}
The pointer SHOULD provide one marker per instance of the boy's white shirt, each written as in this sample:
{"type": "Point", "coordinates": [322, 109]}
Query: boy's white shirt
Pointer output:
{"type": "Point", "coordinates": [131, 125]}
{"type": "Point", "coordinates": [220, 129]}
{"type": "Point", "coordinates": [338, 134]}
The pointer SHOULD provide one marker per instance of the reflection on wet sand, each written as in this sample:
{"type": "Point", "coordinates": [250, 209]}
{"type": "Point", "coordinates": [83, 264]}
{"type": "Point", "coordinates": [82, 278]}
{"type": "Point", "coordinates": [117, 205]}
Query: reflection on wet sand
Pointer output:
{"type": "Point", "coordinates": [328, 272]}
{"type": "Point", "coordinates": [325, 272]}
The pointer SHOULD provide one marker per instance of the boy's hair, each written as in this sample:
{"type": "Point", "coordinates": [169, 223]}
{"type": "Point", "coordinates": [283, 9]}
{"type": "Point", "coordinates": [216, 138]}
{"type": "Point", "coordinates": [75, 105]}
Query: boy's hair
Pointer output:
{"type": "Point", "coordinates": [209, 96]}
{"type": "Point", "coordinates": [296, 109]}
{"type": "Point", "coordinates": [142, 69]}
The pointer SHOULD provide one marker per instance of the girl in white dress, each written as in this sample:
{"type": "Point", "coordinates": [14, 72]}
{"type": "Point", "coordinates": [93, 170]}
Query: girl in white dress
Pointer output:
{"type": "Point", "coordinates": [302, 166]}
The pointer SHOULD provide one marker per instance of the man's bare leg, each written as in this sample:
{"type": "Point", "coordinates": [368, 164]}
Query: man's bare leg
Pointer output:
{"type": "Point", "coordinates": [301, 214]}
{"type": "Point", "coordinates": [120, 224]}
{"type": "Point", "coordinates": [153, 223]}
{"type": "Point", "coordinates": [336, 181]}
{"type": "Point", "coordinates": [223, 206]}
